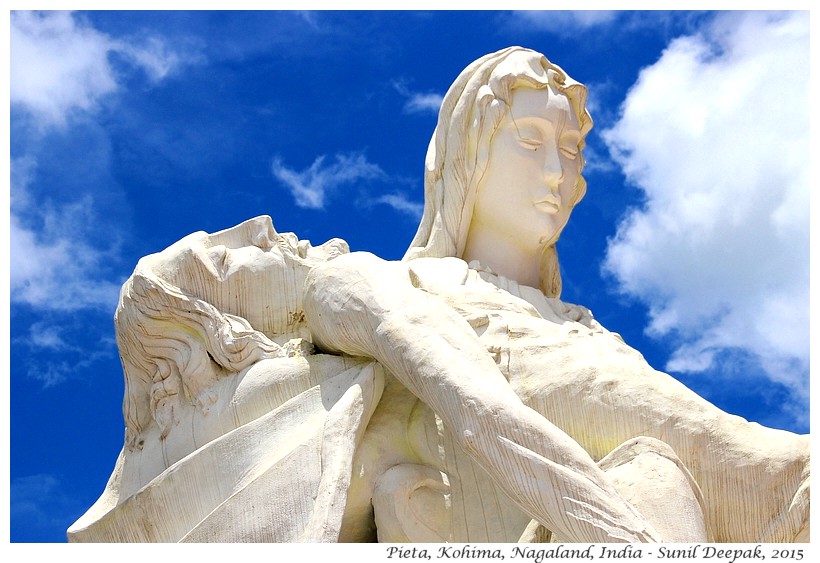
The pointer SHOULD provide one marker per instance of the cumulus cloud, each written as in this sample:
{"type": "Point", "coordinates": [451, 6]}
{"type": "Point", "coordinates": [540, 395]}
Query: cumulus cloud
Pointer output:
{"type": "Point", "coordinates": [716, 134]}
{"type": "Point", "coordinates": [311, 187]}
{"type": "Point", "coordinates": [57, 66]}
{"type": "Point", "coordinates": [60, 65]}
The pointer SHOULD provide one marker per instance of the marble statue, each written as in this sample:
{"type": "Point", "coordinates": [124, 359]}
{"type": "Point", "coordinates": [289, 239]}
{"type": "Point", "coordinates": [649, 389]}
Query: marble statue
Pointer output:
{"type": "Point", "coordinates": [277, 391]}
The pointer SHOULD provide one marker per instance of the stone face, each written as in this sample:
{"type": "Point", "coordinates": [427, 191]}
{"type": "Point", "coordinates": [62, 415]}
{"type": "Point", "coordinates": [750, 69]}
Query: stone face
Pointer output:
{"type": "Point", "coordinates": [277, 391]}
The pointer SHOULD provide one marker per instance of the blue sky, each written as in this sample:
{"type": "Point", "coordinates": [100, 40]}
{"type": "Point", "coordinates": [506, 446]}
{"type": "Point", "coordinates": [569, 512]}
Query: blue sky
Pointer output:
{"type": "Point", "coordinates": [130, 130]}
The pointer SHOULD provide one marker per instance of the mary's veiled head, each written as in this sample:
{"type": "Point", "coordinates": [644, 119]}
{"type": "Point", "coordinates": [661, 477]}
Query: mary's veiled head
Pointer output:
{"type": "Point", "coordinates": [457, 158]}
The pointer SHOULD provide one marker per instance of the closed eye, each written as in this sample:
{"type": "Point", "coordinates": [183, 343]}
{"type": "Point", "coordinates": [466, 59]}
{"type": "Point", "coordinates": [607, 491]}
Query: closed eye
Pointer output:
{"type": "Point", "coordinates": [570, 151]}
{"type": "Point", "coordinates": [570, 144]}
{"type": "Point", "coordinates": [529, 143]}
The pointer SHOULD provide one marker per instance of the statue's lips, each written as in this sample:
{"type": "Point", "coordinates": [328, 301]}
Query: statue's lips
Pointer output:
{"type": "Point", "coordinates": [549, 204]}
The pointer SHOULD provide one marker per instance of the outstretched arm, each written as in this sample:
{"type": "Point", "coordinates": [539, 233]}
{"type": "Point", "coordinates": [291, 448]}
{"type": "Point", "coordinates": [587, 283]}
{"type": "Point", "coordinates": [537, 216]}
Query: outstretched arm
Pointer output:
{"type": "Point", "coordinates": [361, 305]}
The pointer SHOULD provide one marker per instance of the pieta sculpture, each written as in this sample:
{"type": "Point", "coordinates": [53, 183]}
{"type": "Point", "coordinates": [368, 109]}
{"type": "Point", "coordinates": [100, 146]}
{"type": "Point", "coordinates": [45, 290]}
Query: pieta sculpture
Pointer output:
{"type": "Point", "coordinates": [280, 392]}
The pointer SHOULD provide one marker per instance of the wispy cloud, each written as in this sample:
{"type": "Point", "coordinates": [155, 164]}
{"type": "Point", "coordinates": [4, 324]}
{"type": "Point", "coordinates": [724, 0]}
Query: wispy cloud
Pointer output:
{"type": "Point", "coordinates": [400, 202]}
{"type": "Point", "coordinates": [43, 335]}
{"type": "Point", "coordinates": [39, 503]}
{"type": "Point", "coordinates": [571, 23]}
{"type": "Point", "coordinates": [60, 347]}
{"type": "Point", "coordinates": [67, 364]}
{"type": "Point", "coordinates": [309, 16]}
{"type": "Point", "coordinates": [716, 134]}
{"type": "Point", "coordinates": [417, 102]}
{"type": "Point", "coordinates": [152, 55]}
{"type": "Point", "coordinates": [564, 21]}
{"type": "Point", "coordinates": [311, 187]}
{"type": "Point", "coordinates": [597, 160]}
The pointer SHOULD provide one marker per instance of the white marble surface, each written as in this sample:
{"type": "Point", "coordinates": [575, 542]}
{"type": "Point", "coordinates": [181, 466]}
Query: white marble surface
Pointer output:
{"type": "Point", "coordinates": [281, 392]}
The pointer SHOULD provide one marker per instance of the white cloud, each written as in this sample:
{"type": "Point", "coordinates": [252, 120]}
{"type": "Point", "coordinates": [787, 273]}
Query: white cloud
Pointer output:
{"type": "Point", "coordinates": [60, 65]}
{"type": "Point", "coordinates": [311, 186]}
{"type": "Point", "coordinates": [716, 134]}
{"type": "Point", "coordinates": [22, 171]}
{"type": "Point", "coordinates": [152, 55]}
{"type": "Point", "coordinates": [43, 335]}
{"type": "Point", "coordinates": [57, 66]}
{"type": "Point", "coordinates": [418, 102]}
{"type": "Point", "coordinates": [52, 271]}
{"type": "Point", "coordinates": [51, 267]}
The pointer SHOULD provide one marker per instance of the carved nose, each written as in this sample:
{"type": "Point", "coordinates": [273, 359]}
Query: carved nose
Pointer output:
{"type": "Point", "coordinates": [553, 172]}
{"type": "Point", "coordinates": [264, 235]}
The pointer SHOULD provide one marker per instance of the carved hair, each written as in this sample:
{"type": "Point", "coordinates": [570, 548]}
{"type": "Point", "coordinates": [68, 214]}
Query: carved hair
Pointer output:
{"type": "Point", "coordinates": [457, 156]}
{"type": "Point", "coordinates": [174, 346]}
